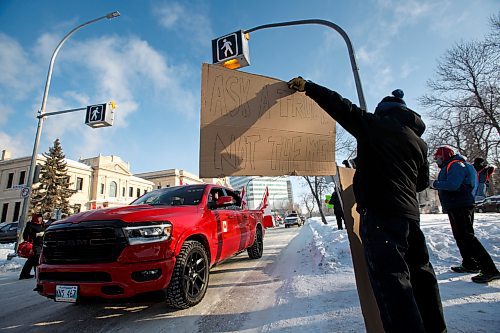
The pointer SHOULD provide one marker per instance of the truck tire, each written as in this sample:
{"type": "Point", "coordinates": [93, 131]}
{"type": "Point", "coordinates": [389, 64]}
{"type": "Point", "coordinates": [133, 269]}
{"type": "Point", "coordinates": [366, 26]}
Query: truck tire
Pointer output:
{"type": "Point", "coordinates": [255, 251]}
{"type": "Point", "coordinates": [190, 276]}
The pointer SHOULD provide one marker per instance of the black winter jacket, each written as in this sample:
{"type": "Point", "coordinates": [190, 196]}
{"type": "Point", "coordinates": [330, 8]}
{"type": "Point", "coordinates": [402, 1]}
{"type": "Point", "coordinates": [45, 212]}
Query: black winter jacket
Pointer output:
{"type": "Point", "coordinates": [34, 233]}
{"type": "Point", "coordinates": [391, 164]}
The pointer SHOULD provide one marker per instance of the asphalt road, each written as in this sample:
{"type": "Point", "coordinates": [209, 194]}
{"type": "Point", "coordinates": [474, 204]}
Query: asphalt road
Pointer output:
{"type": "Point", "coordinates": [239, 289]}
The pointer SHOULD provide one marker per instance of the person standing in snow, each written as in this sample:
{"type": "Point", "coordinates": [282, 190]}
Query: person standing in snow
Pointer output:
{"type": "Point", "coordinates": [484, 173]}
{"type": "Point", "coordinates": [33, 232]}
{"type": "Point", "coordinates": [454, 184]}
{"type": "Point", "coordinates": [337, 208]}
{"type": "Point", "coordinates": [391, 166]}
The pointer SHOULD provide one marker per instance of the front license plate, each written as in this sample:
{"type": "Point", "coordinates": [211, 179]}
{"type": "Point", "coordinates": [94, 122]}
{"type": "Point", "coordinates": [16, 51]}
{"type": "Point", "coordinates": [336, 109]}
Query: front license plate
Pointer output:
{"type": "Point", "coordinates": [66, 293]}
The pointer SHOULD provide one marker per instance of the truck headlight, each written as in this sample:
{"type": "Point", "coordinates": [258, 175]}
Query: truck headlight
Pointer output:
{"type": "Point", "coordinates": [148, 233]}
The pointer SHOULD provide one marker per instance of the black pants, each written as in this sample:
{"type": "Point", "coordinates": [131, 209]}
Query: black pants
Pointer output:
{"type": "Point", "coordinates": [474, 255]}
{"type": "Point", "coordinates": [339, 216]}
{"type": "Point", "coordinates": [402, 278]}
{"type": "Point", "coordinates": [30, 263]}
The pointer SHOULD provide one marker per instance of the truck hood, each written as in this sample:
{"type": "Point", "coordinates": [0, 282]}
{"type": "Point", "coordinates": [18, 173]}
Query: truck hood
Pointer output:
{"type": "Point", "coordinates": [131, 214]}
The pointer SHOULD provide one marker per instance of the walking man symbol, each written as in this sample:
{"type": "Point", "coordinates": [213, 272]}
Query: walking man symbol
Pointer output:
{"type": "Point", "coordinates": [95, 113]}
{"type": "Point", "coordinates": [226, 47]}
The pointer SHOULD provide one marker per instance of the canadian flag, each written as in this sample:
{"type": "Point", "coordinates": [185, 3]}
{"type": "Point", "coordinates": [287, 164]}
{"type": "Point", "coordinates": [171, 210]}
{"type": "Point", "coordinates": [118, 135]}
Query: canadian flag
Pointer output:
{"type": "Point", "coordinates": [243, 198]}
{"type": "Point", "coordinates": [263, 205]}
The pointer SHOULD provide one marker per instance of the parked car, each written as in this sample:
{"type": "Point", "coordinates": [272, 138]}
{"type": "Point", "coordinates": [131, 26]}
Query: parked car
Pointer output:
{"type": "Point", "coordinates": [293, 219]}
{"type": "Point", "coordinates": [490, 204]}
{"type": "Point", "coordinates": [168, 240]}
{"type": "Point", "coordinates": [8, 233]}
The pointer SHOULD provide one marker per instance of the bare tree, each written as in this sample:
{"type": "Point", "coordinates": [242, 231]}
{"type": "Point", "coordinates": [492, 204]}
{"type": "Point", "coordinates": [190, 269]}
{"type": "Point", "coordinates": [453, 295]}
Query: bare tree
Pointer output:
{"type": "Point", "coordinates": [345, 143]}
{"type": "Point", "coordinates": [464, 98]}
{"type": "Point", "coordinates": [318, 186]}
{"type": "Point", "coordinates": [309, 202]}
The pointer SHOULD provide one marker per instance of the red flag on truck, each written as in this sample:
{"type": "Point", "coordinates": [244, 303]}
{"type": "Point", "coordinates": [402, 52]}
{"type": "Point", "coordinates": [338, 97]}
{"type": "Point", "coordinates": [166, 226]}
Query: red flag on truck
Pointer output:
{"type": "Point", "coordinates": [263, 205]}
{"type": "Point", "coordinates": [243, 199]}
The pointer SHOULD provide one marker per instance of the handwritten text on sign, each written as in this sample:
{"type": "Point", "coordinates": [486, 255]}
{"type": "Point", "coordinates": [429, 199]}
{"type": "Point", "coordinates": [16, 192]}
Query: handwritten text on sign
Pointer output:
{"type": "Point", "coordinates": [255, 125]}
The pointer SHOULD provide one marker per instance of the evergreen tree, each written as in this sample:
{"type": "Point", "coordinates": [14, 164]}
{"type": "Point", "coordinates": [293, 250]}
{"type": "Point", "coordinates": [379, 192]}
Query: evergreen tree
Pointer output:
{"type": "Point", "coordinates": [54, 190]}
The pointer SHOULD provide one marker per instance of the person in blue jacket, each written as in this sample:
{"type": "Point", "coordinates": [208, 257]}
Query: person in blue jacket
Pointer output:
{"type": "Point", "coordinates": [455, 184]}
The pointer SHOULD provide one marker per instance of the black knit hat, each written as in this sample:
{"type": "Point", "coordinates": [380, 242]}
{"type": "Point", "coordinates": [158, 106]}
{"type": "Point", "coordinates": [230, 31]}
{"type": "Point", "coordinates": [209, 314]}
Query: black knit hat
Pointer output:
{"type": "Point", "coordinates": [389, 102]}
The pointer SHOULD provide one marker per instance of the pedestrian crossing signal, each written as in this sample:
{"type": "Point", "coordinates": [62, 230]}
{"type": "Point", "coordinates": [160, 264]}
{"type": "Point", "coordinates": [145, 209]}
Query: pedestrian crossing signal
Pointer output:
{"type": "Point", "coordinates": [231, 51]}
{"type": "Point", "coordinates": [100, 115]}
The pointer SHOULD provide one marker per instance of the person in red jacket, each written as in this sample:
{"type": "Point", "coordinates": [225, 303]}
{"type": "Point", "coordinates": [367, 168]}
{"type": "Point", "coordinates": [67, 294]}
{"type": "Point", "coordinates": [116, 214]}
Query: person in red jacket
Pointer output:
{"type": "Point", "coordinates": [33, 232]}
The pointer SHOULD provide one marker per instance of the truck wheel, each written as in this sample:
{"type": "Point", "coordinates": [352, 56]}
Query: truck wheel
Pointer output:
{"type": "Point", "coordinates": [480, 210]}
{"type": "Point", "coordinates": [190, 276]}
{"type": "Point", "coordinates": [255, 251]}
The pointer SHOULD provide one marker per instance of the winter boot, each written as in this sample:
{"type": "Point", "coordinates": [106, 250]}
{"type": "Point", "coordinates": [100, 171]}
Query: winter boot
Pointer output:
{"type": "Point", "coordinates": [462, 269]}
{"type": "Point", "coordinates": [486, 277]}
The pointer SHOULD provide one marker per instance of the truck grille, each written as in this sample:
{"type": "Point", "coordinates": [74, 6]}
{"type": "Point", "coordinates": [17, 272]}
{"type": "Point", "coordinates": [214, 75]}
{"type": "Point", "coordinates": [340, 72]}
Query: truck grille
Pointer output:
{"type": "Point", "coordinates": [83, 243]}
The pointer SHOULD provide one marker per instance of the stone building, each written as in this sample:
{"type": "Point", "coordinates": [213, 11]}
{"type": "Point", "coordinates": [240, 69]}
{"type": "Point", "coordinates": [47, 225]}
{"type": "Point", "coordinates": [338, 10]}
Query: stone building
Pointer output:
{"type": "Point", "coordinates": [102, 181]}
{"type": "Point", "coordinates": [99, 182]}
{"type": "Point", "coordinates": [176, 177]}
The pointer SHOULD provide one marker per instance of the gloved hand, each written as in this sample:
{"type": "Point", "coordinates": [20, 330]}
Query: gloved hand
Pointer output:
{"type": "Point", "coordinates": [297, 83]}
{"type": "Point", "coordinates": [431, 185]}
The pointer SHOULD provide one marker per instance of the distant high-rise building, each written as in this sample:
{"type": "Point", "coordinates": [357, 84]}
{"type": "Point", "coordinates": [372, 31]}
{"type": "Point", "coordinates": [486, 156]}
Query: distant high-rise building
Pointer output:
{"type": "Point", "coordinates": [280, 191]}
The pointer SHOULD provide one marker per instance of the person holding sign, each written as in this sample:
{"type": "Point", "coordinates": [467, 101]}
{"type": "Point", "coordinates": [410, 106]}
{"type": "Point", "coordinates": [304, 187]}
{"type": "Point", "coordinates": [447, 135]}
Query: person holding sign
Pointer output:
{"type": "Point", "coordinates": [391, 166]}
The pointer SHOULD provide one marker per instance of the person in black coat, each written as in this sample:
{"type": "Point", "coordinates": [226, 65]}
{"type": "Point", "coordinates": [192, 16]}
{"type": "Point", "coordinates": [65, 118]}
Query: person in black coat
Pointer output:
{"type": "Point", "coordinates": [391, 167]}
{"type": "Point", "coordinates": [337, 208]}
{"type": "Point", "coordinates": [33, 232]}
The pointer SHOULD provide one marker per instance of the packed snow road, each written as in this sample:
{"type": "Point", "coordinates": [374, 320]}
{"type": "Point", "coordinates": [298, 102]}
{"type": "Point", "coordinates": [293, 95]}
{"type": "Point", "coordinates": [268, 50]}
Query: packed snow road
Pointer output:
{"type": "Point", "coordinates": [238, 288]}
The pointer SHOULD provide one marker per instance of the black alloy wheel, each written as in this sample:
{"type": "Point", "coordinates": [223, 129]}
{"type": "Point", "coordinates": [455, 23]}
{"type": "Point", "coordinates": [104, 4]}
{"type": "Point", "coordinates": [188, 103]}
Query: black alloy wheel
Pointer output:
{"type": "Point", "coordinates": [255, 251]}
{"type": "Point", "coordinates": [189, 281]}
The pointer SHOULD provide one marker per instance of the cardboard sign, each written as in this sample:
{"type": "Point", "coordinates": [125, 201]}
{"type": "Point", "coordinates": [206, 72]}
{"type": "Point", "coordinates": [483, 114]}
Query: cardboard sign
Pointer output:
{"type": "Point", "coordinates": [256, 125]}
{"type": "Point", "coordinates": [369, 306]}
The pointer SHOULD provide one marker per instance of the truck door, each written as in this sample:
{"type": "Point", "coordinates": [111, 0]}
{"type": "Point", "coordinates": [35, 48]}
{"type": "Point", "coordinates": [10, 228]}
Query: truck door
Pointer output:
{"type": "Point", "coordinates": [241, 220]}
{"type": "Point", "coordinates": [225, 226]}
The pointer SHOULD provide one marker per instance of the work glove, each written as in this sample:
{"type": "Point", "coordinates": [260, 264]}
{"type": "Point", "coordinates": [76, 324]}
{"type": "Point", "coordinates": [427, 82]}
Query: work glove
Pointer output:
{"type": "Point", "coordinates": [431, 185]}
{"type": "Point", "coordinates": [297, 83]}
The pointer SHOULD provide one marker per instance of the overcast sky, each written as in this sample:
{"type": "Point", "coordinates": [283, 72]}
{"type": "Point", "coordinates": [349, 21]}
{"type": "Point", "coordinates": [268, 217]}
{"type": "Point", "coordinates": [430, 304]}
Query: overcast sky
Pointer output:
{"type": "Point", "coordinates": [149, 61]}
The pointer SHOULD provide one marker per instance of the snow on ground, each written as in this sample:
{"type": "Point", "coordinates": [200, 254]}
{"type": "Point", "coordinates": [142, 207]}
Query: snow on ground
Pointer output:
{"type": "Point", "coordinates": [319, 291]}
{"type": "Point", "coordinates": [319, 294]}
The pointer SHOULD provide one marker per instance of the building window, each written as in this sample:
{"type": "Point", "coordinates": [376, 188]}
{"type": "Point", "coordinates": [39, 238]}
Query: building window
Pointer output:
{"type": "Point", "coordinates": [4, 212]}
{"type": "Point", "coordinates": [102, 188]}
{"type": "Point", "coordinates": [138, 192]}
{"type": "Point", "coordinates": [79, 183]}
{"type": "Point", "coordinates": [145, 191]}
{"type": "Point", "coordinates": [130, 192]}
{"type": "Point", "coordinates": [22, 176]}
{"type": "Point", "coordinates": [10, 180]}
{"type": "Point", "coordinates": [113, 189]}
{"type": "Point", "coordinates": [123, 192]}
{"type": "Point", "coordinates": [17, 208]}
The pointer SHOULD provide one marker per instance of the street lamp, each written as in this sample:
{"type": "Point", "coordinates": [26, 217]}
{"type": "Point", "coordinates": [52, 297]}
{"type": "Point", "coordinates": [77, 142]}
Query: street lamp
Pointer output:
{"type": "Point", "coordinates": [42, 116]}
{"type": "Point", "coordinates": [226, 53]}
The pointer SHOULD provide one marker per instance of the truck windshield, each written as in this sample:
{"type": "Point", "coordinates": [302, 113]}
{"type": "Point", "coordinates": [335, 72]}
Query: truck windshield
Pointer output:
{"type": "Point", "coordinates": [173, 196]}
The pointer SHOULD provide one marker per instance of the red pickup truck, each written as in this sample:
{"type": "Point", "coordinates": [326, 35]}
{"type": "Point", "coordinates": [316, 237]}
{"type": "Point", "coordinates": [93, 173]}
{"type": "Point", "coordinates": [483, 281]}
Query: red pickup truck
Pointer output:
{"type": "Point", "coordinates": [168, 239]}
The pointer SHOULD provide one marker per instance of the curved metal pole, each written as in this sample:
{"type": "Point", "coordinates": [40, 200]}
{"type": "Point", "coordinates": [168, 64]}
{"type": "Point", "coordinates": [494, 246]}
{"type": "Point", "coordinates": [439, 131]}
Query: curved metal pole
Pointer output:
{"type": "Point", "coordinates": [41, 118]}
{"type": "Point", "coordinates": [354, 66]}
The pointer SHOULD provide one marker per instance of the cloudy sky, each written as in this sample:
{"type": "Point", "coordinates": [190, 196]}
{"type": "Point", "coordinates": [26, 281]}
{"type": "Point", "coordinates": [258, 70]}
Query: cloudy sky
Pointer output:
{"type": "Point", "coordinates": [149, 61]}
